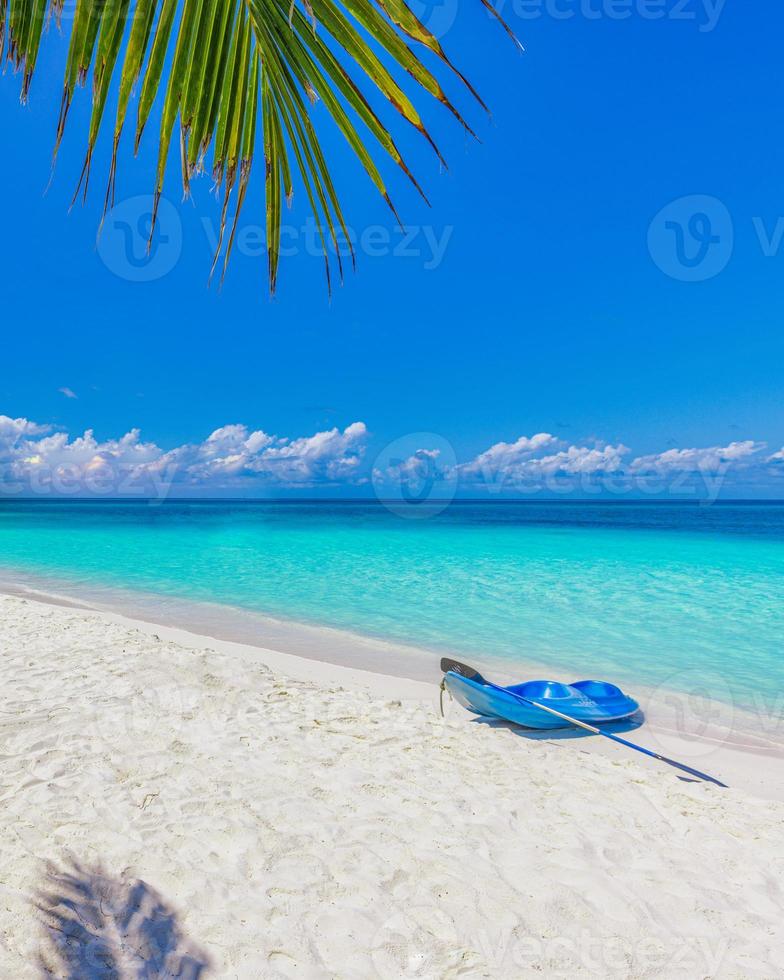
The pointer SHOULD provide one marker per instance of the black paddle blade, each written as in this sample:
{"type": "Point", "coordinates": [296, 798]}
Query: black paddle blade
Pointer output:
{"type": "Point", "coordinates": [464, 670]}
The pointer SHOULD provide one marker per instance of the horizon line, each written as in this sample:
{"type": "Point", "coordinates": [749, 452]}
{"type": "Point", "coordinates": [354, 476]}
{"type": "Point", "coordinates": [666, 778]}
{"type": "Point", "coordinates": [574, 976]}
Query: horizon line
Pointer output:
{"type": "Point", "coordinates": [384, 501]}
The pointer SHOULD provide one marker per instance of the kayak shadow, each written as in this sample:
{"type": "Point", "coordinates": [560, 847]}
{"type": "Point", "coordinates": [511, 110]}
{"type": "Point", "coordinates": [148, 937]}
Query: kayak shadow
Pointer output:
{"type": "Point", "coordinates": [610, 728]}
{"type": "Point", "coordinates": [564, 734]}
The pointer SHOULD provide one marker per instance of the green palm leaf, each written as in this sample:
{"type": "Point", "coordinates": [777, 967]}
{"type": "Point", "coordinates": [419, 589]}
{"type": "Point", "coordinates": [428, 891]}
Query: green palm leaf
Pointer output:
{"type": "Point", "coordinates": [221, 66]}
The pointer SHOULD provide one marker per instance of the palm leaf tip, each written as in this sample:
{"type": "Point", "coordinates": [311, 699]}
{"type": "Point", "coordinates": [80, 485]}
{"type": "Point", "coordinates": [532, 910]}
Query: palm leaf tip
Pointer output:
{"type": "Point", "coordinates": [214, 67]}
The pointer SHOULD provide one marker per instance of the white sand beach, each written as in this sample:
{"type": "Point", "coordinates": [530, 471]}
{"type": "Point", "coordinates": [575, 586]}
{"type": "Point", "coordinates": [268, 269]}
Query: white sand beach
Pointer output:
{"type": "Point", "coordinates": [214, 810]}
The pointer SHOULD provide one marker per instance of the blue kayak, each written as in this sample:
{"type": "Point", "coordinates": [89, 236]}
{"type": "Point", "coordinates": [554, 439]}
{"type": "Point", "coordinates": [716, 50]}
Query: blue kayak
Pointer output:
{"type": "Point", "coordinates": [587, 701]}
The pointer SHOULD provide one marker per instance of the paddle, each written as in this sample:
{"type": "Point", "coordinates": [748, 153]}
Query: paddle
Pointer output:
{"type": "Point", "coordinates": [464, 670]}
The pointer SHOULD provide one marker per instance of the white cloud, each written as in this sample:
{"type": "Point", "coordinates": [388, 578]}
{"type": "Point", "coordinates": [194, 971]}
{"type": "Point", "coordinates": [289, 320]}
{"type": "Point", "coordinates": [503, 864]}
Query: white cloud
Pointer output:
{"type": "Point", "coordinates": [232, 456]}
{"type": "Point", "coordinates": [12, 430]}
{"type": "Point", "coordinates": [506, 456]}
{"type": "Point", "coordinates": [535, 458]}
{"type": "Point", "coordinates": [54, 463]}
{"type": "Point", "coordinates": [68, 392]}
{"type": "Point", "coordinates": [713, 459]}
{"type": "Point", "coordinates": [331, 456]}
{"type": "Point", "coordinates": [542, 462]}
{"type": "Point", "coordinates": [582, 459]}
{"type": "Point", "coordinates": [38, 458]}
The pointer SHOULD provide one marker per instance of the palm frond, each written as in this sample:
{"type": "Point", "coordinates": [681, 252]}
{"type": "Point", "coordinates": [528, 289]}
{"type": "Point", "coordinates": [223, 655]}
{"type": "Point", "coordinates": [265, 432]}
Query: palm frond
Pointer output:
{"type": "Point", "coordinates": [219, 65]}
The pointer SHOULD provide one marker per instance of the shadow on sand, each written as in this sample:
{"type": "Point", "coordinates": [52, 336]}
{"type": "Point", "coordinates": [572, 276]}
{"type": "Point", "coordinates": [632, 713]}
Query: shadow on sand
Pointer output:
{"type": "Point", "coordinates": [103, 927]}
{"type": "Point", "coordinates": [564, 734]}
{"type": "Point", "coordinates": [613, 728]}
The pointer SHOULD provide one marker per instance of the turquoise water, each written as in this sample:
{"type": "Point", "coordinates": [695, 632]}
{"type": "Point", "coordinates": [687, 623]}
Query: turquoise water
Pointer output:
{"type": "Point", "coordinates": [650, 594]}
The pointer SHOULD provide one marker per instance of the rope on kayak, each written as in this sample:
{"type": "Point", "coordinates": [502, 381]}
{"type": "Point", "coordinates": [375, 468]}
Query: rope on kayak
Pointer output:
{"type": "Point", "coordinates": [441, 695]}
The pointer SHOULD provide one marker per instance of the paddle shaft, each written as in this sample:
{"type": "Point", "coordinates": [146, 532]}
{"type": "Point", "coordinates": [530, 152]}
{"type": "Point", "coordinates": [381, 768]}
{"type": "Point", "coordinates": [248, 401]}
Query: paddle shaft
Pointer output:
{"type": "Point", "coordinates": [615, 738]}
{"type": "Point", "coordinates": [464, 671]}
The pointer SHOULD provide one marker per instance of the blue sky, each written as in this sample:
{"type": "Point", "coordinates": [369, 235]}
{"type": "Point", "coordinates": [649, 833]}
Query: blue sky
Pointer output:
{"type": "Point", "coordinates": [539, 298]}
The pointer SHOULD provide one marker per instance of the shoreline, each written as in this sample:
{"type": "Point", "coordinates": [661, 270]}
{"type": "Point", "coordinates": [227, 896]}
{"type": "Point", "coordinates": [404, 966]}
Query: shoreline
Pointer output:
{"type": "Point", "coordinates": [703, 734]}
{"type": "Point", "coordinates": [319, 642]}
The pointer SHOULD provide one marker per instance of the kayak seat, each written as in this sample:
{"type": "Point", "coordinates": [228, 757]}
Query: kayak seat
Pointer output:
{"type": "Point", "coordinates": [543, 690]}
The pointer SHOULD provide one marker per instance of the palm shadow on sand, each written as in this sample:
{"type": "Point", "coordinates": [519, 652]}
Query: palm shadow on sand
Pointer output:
{"type": "Point", "coordinates": [99, 926]}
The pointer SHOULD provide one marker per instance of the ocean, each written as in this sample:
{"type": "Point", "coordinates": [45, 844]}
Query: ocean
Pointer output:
{"type": "Point", "coordinates": [675, 595]}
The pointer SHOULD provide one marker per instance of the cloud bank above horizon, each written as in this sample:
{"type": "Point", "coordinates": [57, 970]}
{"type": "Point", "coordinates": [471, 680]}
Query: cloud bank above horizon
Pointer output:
{"type": "Point", "coordinates": [39, 458]}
